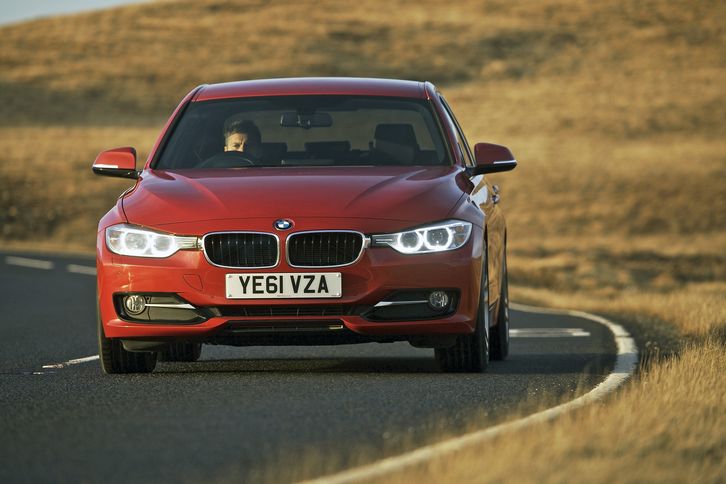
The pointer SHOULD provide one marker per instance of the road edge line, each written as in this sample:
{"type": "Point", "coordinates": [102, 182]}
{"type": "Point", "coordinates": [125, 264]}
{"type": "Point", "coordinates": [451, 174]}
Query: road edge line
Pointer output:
{"type": "Point", "coordinates": [75, 361]}
{"type": "Point", "coordinates": [626, 360]}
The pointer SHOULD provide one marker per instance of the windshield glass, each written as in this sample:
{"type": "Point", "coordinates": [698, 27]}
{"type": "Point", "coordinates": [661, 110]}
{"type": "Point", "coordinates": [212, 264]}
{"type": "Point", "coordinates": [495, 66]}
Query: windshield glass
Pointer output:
{"type": "Point", "coordinates": [304, 131]}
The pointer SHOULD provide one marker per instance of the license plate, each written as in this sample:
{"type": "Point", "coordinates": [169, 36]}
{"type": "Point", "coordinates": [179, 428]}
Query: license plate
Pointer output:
{"type": "Point", "coordinates": [286, 285]}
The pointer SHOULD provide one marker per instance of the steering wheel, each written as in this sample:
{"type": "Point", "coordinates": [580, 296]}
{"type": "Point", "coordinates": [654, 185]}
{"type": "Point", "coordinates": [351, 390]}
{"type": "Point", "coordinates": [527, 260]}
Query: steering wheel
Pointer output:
{"type": "Point", "coordinates": [227, 159]}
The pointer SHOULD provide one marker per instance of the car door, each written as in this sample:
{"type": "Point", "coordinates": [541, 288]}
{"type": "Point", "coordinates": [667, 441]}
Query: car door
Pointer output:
{"type": "Point", "coordinates": [487, 197]}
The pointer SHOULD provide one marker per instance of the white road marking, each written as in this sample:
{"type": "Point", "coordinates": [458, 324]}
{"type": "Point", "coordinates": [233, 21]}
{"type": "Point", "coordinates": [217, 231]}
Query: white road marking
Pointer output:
{"type": "Point", "coordinates": [25, 262]}
{"type": "Point", "coordinates": [86, 270]}
{"type": "Point", "coordinates": [77, 361]}
{"type": "Point", "coordinates": [625, 363]}
{"type": "Point", "coordinates": [547, 332]}
{"type": "Point", "coordinates": [48, 265]}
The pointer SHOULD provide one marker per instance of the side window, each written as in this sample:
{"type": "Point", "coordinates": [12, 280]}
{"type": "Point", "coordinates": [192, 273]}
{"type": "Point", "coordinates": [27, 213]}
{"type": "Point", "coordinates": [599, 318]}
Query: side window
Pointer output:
{"type": "Point", "coordinates": [460, 138]}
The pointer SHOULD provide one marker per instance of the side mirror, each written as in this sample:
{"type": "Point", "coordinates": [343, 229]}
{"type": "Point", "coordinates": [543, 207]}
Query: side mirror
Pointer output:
{"type": "Point", "coordinates": [491, 158]}
{"type": "Point", "coordinates": [120, 162]}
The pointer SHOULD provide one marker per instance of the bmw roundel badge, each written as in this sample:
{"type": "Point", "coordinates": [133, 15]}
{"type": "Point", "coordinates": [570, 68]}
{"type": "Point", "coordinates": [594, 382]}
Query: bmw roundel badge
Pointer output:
{"type": "Point", "coordinates": [283, 224]}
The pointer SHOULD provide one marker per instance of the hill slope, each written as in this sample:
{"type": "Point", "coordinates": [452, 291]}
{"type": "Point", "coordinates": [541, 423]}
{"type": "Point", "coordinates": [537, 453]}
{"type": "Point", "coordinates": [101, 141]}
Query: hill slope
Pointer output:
{"type": "Point", "coordinates": [616, 111]}
{"type": "Point", "coordinates": [140, 59]}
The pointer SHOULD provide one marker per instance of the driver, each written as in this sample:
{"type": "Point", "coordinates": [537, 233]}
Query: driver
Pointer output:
{"type": "Point", "coordinates": [243, 136]}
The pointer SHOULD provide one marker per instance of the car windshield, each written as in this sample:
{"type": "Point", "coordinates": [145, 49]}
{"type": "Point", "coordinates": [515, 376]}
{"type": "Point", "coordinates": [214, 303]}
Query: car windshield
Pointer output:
{"type": "Point", "coordinates": [304, 131]}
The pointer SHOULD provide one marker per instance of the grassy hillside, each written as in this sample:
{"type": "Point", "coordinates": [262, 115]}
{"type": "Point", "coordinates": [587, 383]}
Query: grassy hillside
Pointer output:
{"type": "Point", "coordinates": [594, 99]}
{"type": "Point", "coordinates": [616, 111]}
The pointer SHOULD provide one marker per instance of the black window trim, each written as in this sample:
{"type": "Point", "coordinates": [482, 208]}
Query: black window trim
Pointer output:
{"type": "Point", "coordinates": [460, 132]}
{"type": "Point", "coordinates": [172, 127]}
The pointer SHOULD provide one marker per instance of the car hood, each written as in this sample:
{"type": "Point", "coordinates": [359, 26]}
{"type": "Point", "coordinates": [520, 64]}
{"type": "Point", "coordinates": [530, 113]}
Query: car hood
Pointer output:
{"type": "Point", "coordinates": [408, 194]}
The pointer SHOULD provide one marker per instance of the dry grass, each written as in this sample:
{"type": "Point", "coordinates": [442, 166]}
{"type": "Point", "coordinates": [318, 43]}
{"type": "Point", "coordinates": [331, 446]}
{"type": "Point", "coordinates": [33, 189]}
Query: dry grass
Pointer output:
{"type": "Point", "coordinates": [48, 192]}
{"type": "Point", "coordinates": [615, 110]}
{"type": "Point", "coordinates": [653, 431]}
{"type": "Point", "coordinates": [681, 282]}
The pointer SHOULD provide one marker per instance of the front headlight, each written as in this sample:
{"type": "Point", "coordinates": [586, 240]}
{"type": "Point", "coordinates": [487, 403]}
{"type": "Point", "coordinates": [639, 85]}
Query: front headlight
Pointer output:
{"type": "Point", "coordinates": [440, 237]}
{"type": "Point", "coordinates": [124, 239]}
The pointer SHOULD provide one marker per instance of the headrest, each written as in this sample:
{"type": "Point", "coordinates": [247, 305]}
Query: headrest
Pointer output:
{"type": "Point", "coordinates": [402, 134]}
{"type": "Point", "coordinates": [327, 149]}
{"type": "Point", "coordinates": [273, 151]}
{"type": "Point", "coordinates": [395, 144]}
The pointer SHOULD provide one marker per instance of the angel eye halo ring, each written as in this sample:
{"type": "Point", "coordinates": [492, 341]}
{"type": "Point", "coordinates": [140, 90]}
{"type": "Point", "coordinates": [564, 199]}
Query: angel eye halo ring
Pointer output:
{"type": "Point", "coordinates": [439, 237]}
{"type": "Point", "coordinates": [136, 241]}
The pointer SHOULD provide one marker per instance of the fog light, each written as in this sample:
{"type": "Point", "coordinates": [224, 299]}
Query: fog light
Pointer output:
{"type": "Point", "coordinates": [438, 300]}
{"type": "Point", "coordinates": [135, 304]}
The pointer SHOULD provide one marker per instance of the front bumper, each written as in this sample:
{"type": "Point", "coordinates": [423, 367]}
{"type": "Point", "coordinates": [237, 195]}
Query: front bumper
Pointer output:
{"type": "Point", "coordinates": [380, 272]}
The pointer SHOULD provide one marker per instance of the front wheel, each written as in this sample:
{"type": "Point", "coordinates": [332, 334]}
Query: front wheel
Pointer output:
{"type": "Point", "coordinates": [470, 354]}
{"type": "Point", "coordinates": [499, 334]}
{"type": "Point", "coordinates": [115, 359]}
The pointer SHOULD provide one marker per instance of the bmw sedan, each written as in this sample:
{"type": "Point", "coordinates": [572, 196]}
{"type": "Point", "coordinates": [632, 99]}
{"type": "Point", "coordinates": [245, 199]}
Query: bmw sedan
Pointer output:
{"type": "Point", "coordinates": [305, 212]}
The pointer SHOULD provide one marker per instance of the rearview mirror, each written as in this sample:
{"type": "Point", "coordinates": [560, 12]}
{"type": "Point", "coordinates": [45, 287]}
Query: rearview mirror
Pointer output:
{"type": "Point", "coordinates": [491, 158]}
{"type": "Point", "coordinates": [306, 121]}
{"type": "Point", "coordinates": [120, 162]}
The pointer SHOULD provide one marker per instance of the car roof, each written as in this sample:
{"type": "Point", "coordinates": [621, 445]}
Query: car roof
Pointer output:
{"type": "Point", "coordinates": [313, 86]}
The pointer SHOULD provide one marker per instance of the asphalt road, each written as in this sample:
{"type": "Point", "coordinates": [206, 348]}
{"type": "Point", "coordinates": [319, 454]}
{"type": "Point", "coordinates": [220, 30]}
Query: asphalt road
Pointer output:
{"type": "Point", "coordinates": [245, 413]}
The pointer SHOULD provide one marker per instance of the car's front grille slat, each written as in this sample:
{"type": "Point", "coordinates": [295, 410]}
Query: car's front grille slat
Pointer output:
{"type": "Point", "coordinates": [324, 249]}
{"type": "Point", "coordinates": [241, 249]}
{"type": "Point", "coordinates": [305, 249]}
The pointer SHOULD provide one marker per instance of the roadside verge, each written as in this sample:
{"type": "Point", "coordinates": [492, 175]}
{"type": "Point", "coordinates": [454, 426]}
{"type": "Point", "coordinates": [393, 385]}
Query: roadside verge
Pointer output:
{"type": "Point", "coordinates": [625, 364]}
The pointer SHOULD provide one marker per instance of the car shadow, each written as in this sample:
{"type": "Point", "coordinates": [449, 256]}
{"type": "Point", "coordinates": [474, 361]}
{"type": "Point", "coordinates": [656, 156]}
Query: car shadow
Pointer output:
{"type": "Point", "coordinates": [554, 364]}
{"type": "Point", "coordinates": [529, 364]}
{"type": "Point", "coordinates": [304, 365]}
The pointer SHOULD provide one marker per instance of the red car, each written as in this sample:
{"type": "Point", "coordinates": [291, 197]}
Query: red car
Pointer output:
{"type": "Point", "coordinates": [304, 212]}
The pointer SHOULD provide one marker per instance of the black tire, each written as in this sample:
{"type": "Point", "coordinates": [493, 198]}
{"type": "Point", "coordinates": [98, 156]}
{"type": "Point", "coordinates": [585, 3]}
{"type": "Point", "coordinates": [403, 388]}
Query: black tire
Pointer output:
{"type": "Point", "coordinates": [499, 334]}
{"type": "Point", "coordinates": [181, 352]}
{"type": "Point", "coordinates": [115, 359]}
{"type": "Point", "coordinates": [470, 353]}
